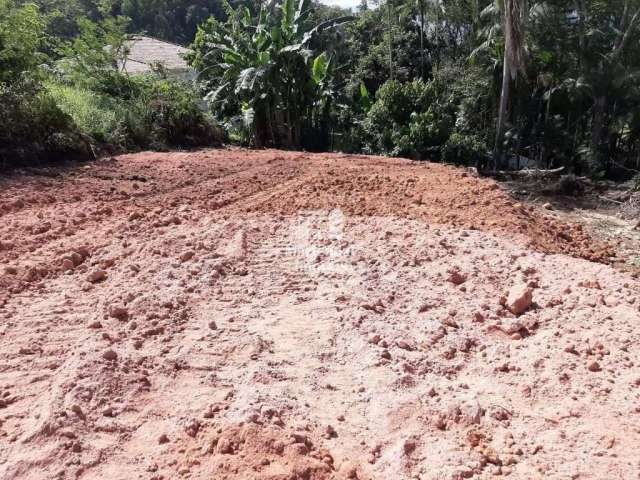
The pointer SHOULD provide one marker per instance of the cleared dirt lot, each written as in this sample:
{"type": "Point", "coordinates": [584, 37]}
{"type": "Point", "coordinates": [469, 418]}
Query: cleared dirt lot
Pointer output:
{"type": "Point", "coordinates": [269, 315]}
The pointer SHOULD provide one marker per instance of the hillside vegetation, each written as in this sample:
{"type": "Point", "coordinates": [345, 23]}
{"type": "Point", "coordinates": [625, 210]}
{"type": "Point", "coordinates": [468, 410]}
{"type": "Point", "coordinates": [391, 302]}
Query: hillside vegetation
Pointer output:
{"type": "Point", "coordinates": [287, 266]}
{"type": "Point", "coordinates": [547, 83]}
{"type": "Point", "coordinates": [64, 98]}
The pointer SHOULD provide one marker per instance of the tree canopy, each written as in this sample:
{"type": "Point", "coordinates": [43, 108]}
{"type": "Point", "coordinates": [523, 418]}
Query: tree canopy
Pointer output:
{"type": "Point", "coordinates": [552, 82]}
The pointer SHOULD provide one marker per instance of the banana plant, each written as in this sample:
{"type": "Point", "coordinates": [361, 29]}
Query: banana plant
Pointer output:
{"type": "Point", "coordinates": [264, 67]}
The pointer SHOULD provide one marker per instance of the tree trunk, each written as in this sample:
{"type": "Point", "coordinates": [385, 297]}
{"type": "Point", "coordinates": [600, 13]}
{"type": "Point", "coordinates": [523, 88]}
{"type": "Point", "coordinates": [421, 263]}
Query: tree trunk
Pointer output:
{"type": "Point", "coordinates": [545, 140]}
{"type": "Point", "coordinates": [421, 4]}
{"type": "Point", "coordinates": [580, 11]}
{"type": "Point", "coordinates": [502, 115]}
{"type": "Point", "coordinates": [437, 32]}
{"type": "Point", "coordinates": [289, 130]}
{"type": "Point", "coordinates": [272, 120]}
{"type": "Point", "coordinates": [513, 61]}
{"type": "Point", "coordinates": [390, 34]}
{"type": "Point", "coordinates": [598, 133]}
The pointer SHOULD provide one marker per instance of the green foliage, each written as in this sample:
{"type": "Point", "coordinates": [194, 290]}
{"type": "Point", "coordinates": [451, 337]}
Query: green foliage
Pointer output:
{"type": "Point", "coordinates": [86, 99]}
{"type": "Point", "coordinates": [259, 67]}
{"type": "Point", "coordinates": [464, 149]}
{"type": "Point", "coordinates": [320, 68]}
{"type": "Point", "coordinates": [97, 115]}
{"type": "Point", "coordinates": [172, 20]}
{"type": "Point", "coordinates": [365, 98]}
{"type": "Point", "coordinates": [174, 114]}
{"type": "Point", "coordinates": [406, 120]}
{"type": "Point", "coordinates": [93, 58]}
{"type": "Point", "coordinates": [21, 36]}
{"type": "Point", "coordinates": [576, 100]}
{"type": "Point", "coordinates": [426, 119]}
{"type": "Point", "coordinates": [34, 128]}
{"type": "Point", "coordinates": [412, 77]}
{"type": "Point", "coordinates": [155, 114]}
{"type": "Point", "coordinates": [396, 102]}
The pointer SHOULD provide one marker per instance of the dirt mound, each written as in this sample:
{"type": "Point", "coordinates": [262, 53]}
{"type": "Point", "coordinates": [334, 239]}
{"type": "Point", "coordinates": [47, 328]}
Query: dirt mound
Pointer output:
{"type": "Point", "coordinates": [278, 182]}
{"type": "Point", "coordinates": [269, 452]}
{"type": "Point", "coordinates": [211, 315]}
{"type": "Point", "coordinates": [430, 192]}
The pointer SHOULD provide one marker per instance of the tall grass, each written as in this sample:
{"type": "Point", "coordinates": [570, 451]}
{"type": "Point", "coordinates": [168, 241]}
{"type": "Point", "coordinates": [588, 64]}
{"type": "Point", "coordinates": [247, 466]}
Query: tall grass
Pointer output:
{"type": "Point", "coordinates": [98, 116]}
{"type": "Point", "coordinates": [155, 114]}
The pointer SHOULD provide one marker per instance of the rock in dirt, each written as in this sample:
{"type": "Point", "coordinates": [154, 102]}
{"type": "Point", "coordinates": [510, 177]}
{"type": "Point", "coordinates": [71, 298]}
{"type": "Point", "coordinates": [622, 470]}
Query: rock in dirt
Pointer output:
{"type": "Point", "coordinates": [512, 327]}
{"type": "Point", "coordinates": [67, 265]}
{"type": "Point", "coordinates": [519, 299]}
{"type": "Point", "coordinates": [110, 355]}
{"type": "Point", "coordinates": [594, 367]}
{"type": "Point", "coordinates": [409, 446]}
{"type": "Point", "coordinates": [97, 276]}
{"type": "Point", "coordinates": [186, 256]}
{"type": "Point", "coordinates": [571, 349]}
{"type": "Point", "coordinates": [456, 277]}
{"type": "Point", "coordinates": [77, 410]}
{"type": "Point", "coordinates": [119, 312]}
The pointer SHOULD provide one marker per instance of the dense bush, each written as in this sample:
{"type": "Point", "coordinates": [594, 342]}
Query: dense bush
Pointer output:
{"type": "Point", "coordinates": [397, 123]}
{"type": "Point", "coordinates": [79, 103]}
{"type": "Point", "coordinates": [264, 82]}
{"type": "Point", "coordinates": [426, 119]}
{"type": "Point", "coordinates": [126, 112]}
{"type": "Point", "coordinates": [96, 115]}
{"type": "Point", "coordinates": [33, 127]}
{"type": "Point", "coordinates": [291, 73]}
{"type": "Point", "coordinates": [464, 149]}
{"type": "Point", "coordinates": [174, 113]}
{"type": "Point", "coordinates": [154, 113]}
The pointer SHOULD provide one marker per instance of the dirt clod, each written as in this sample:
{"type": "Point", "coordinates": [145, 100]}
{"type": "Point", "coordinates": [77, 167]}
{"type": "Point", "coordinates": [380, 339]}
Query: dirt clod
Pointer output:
{"type": "Point", "coordinates": [97, 276]}
{"type": "Point", "coordinates": [519, 299]}
{"type": "Point", "coordinates": [594, 366]}
{"type": "Point", "coordinates": [119, 312]}
{"type": "Point", "coordinates": [110, 355]}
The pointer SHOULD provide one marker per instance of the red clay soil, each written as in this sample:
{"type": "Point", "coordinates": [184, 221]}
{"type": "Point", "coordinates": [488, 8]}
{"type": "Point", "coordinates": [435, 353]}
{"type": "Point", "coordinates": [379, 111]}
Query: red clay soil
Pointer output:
{"type": "Point", "coordinates": [273, 181]}
{"type": "Point", "coordinates": [267, 315]}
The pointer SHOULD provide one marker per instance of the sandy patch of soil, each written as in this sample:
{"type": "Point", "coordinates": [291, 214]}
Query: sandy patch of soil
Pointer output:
{"type": "Point", "coordinates": [269, 315]}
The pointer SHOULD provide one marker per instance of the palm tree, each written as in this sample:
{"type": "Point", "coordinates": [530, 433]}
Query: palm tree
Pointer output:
{"type": "Point", "coordinates": [421, 11]}
{"type": "Point", "coordinates": [512, 63]}
{"type": "Point", "coordinates": [611, 71]}
{"type": "Point", "coordinates": [390, 37]}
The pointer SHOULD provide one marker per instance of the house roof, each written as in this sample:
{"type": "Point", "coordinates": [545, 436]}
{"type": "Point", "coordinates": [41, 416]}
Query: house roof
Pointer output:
{"type": "Point", "coordinates": [146, 51]}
